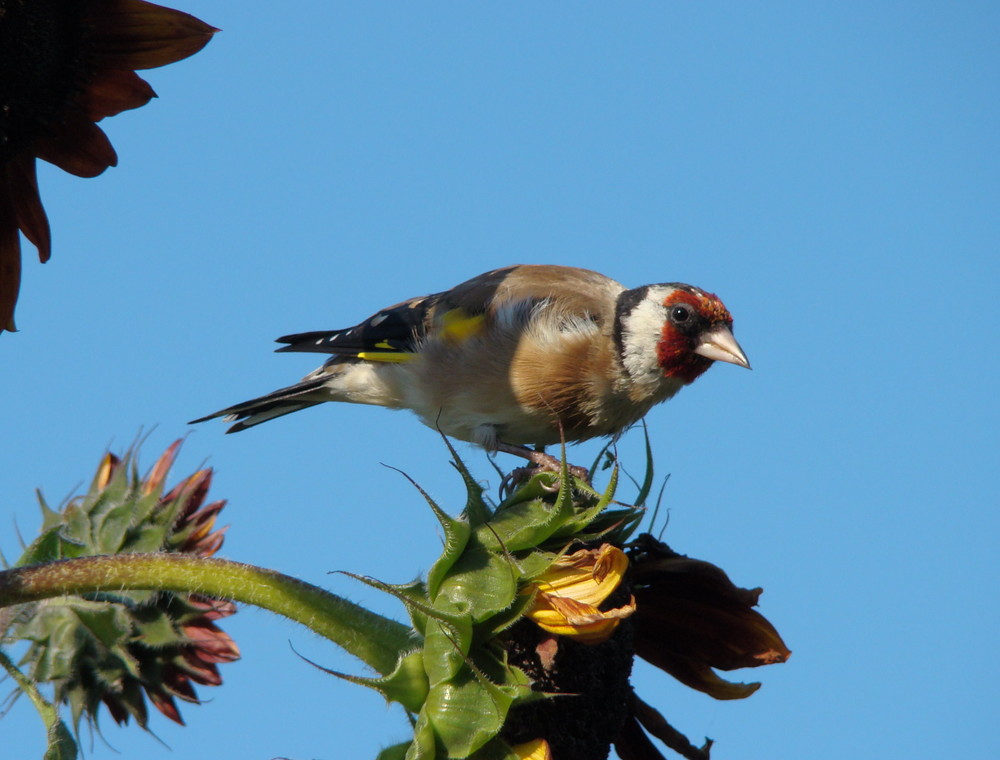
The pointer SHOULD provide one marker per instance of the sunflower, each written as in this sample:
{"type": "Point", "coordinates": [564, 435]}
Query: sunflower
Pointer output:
{"type": "Point", "coordinates": [117, 648]}
{"type": "Point", "coordinates": [526, 629]}
{"type": "Point", "coordinates": [64, 65]}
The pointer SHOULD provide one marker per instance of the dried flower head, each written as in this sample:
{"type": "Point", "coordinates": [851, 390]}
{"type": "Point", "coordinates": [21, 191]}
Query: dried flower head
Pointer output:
{"type": "Point", "coordinates": [64, 65]}
{"type": "Point", "coordinates": [119, 649]}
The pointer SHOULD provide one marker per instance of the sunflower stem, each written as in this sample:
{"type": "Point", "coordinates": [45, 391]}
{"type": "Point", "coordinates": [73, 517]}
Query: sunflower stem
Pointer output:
{"type": "Point", "coordinates": [61, 745]}
{"type": "Point", "coordinates": [376, 640]}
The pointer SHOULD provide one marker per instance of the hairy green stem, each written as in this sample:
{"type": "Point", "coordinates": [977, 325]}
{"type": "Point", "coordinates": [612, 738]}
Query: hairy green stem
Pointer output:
{"type": "Point", "coordinates": [376, 640]}
{"type": "Point", "coordinates": [60, 740]}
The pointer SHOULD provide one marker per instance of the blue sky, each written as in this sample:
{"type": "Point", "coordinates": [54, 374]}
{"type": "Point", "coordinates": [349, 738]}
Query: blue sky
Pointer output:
{"type": "Point", "coordinates": [829, 169]}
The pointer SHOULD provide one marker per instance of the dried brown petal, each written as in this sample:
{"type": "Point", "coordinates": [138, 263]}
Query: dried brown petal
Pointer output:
{"type": "Point", "coordinates": [651, 720]}
{"type": "Point", "coordinates": [691, 618]}
{"type": "Point", "coordinates": [193, 489]}
{"type": "Point", "coordinates": [213, 644]}
{"type": "Point", "coordinates": [77, 146]}
{"type": "Point", "coordinates": [178, 683]}
{"type": "Point", "coordinates": [154, 481]}
{"type": "Point", "coordinates": [10, 261]}
{"type": "Point", "coordinates": [113, 91]}
{"type": "Point", "coordinates": [634, 744]}
{"type": "Point", "coordinates": [200, 671]}
{"type": "Point", "coordinates": [164, 703]}
{"type": "Point", "coordinates": [212, 609]}
{"type": "Point", "coordinates": [31, 218]}
{"type": "Point", "coordinates": [131, 34]}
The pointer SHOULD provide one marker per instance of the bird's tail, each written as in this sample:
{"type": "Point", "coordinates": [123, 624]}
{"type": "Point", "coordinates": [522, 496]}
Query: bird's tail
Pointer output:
{"type": "Point", "coordinates": [275, 404]}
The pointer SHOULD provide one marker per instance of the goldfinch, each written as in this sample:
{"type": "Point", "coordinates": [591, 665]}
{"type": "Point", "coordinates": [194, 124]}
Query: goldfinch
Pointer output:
{"type": "Point", "coordinates": [528, 354]}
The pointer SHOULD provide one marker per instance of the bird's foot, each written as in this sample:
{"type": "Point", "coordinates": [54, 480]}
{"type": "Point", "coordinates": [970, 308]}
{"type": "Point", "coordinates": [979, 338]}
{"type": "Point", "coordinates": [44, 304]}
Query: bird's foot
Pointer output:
{"type": "Point", "coordinates": [539, 462]}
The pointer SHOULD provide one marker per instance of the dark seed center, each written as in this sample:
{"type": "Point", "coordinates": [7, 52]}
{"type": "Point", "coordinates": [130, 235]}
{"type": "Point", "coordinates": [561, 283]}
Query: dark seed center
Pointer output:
{"type": "Point", "coordinates": [41, 67]}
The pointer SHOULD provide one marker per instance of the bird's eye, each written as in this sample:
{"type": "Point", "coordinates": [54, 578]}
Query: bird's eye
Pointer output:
{"type": "Point", "coordinates": [680, 313]}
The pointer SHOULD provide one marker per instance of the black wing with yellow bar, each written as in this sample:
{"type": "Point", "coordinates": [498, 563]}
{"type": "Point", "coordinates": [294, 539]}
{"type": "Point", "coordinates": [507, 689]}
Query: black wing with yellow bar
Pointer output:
{"type": "Point", "coordinates": [389, 335]}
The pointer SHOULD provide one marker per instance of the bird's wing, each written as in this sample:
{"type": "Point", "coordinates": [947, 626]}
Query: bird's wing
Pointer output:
{"type": "Point", "coordinates": [570, 290]}
{"type": "Point", "coordinates": [391, 334]}
{"type": "Point", "coordinates": [394, 333]}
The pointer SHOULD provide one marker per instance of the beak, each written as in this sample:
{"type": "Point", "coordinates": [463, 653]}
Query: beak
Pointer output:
{"type": "Point", "coordinates": [719, 345]}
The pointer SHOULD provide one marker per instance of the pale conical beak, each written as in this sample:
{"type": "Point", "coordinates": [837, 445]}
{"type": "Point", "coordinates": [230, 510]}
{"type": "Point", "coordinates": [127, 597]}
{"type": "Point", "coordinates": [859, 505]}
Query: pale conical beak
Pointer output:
{"type": "Point", "coordinates": [719, 345]}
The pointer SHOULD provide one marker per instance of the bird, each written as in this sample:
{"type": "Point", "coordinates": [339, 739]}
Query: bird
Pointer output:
{"type": "Point", "coordinates": [518, 357]}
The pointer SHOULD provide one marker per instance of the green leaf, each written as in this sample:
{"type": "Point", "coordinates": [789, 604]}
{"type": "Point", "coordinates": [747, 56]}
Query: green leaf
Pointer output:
{"type": "Point", "coordinates": [464, 713]}
{"type": "Point", "coordinates": [147, 538]}
{"type": "Point", "coordinates": [579, 521]}
{"type": "Point", "coordinates": [57, 645]}
{"type": "Point", "coordinates": [111, 528]}
{"type": "Point", "coordinates": [61, 745]}
{"type": "Point", "coordinates": [614, 526]}
{"type": "Point", "coordinates": [424, 744]}
{"type": "Point", "coordinates": [50, 518]}
{"type": "Point", "coordinates": [446, 647]}
{"type": "Point", "coordinates": [456, 536]}
{"type": "Point", "coordinates": [407, 684]}
{"type": "Point", "coordinates": [501, 621]}
{"type": "Point", "coordinates": [495, 749]}
{"type": "Point", "coordinates": [481, 582]}
{"type": "Point", "coordinates": [395, 752]}
{"type": "Point", "coordinates": [108, 623]}
{"type": "Point", "coordinates": [76, 527]}
{"type": "Point", "coordinates": [45, 548]}
{"type": "Point", "coordinates": [476, 511]}
{"type": "Point", "coordinates": [523, 523]}
{"type": "Point", "coordinates": [143, 509]}
{"type": "Point", "coordinates": [156, 628]}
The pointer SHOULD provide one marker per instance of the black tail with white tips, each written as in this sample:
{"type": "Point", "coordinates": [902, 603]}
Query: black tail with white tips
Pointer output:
{"type": "Point", "coordinates": [275, 404]}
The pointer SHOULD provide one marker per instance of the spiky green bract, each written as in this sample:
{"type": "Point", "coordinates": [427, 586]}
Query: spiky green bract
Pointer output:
{"type": "Point", "coordinates": [472, 595]}
{"type": "Point", "coordinates": [120, 647]}
{"type": "Point", "coordinates": [119, 598]}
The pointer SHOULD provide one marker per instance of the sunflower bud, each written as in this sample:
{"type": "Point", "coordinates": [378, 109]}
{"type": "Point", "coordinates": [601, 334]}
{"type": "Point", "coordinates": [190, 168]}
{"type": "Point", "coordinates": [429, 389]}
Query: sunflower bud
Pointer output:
{"type": "Point", "coordinates": [122, 649]}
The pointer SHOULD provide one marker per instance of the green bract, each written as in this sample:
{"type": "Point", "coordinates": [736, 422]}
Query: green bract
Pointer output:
{"type": "Point", "coordinates": [459, 686]}
{"type": "Point", "coordinates": [119, 648]}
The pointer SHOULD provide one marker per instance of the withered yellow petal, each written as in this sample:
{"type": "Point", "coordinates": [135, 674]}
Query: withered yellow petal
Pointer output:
{"type": "Point", "coordinates": [582, 622]}
{"type": "Point", "coordinates": [105, 470]}
{"type": "Point", "coordinates": [588, 576]}
{"type": "Point", "coordinates": [567, 595]}
{"type": "Point", "coordinates": [538, 749]}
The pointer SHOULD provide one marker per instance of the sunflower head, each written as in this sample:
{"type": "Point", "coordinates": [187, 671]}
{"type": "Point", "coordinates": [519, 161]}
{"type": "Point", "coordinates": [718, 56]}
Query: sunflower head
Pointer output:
{"type": "Point", "coordinates": [65, 65]}
{"type": "Point", "coordinates": [120, 649]}
{"type": "Point", "coordinates": [526, 629]}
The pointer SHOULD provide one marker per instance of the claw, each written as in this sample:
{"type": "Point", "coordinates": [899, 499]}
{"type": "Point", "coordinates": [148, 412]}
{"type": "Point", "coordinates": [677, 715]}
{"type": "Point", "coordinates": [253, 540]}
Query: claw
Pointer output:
{"type": "Point", "coordinates": [540, 462]}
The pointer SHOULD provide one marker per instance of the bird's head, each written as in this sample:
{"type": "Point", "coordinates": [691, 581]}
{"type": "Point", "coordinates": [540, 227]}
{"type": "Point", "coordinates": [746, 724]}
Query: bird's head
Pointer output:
{"type": "Point", "coordinates": [674, 331]}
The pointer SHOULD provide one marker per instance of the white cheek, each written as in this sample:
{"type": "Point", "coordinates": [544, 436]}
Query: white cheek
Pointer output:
{"type": "Point", "coordinates": [641, 334]}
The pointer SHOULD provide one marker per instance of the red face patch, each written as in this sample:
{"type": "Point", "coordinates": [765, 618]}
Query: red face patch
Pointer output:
{"type": "Point", "coordinates": [708, 305]}
{"type": "Point", "coordinates": [675, 351]}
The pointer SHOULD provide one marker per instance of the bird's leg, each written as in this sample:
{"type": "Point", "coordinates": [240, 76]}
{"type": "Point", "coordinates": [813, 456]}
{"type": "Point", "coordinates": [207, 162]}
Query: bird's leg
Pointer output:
{"type": "Point", "coordinates": [541, 460]}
